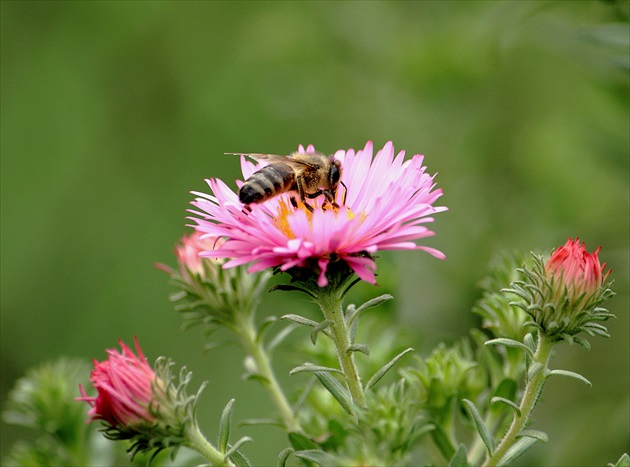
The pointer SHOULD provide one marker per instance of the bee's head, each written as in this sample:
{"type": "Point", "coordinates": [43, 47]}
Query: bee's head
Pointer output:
{"type": "Point", "coordinates": [334, 175]}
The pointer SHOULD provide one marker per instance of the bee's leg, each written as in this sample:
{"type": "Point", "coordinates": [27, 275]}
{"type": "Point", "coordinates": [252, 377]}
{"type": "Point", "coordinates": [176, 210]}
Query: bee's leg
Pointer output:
{"type": "Point", "coordinates": [246, 209]}
{"type": "Point", "coordinates": [300, 190]}
{"type": "Point", "coordinates": [293, 201]}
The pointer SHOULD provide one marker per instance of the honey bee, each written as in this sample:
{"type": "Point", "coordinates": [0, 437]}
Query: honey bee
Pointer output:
{"type": "Point", "coordinates": [309, 175]}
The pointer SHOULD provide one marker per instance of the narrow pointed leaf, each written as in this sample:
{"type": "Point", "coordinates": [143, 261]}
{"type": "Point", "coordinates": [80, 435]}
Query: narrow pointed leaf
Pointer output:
{"type": "Point", "coordinates": [301, 442]}
{"type": "Point", "coordinates": [308, 367]}
{"type": "Point", "coordinates": [459, 459]}
{"type": "Point", "coordinates": [240, 460]}
{"type": "Point", "coordinates": [260, 421]}
{"type": "Point", "coordinates": [536, 434]}
{"type": "Point", "coordinates": [284, 456]}
{"type": "Point", "coordinates": [282, 335]}
{"type": "Point", "coordinates": [517, 449]}
{"type": "Point", "coordinates": [570, 374]}
{"type": "Point", "coordinates": [380, 373]}
{"type": "Point", "coordinates": [321, 458]}
{"type": "Point", "coordinates": [366, 306]}
{"type": "Point", "coordinates": [234, 449]}
{"type": "Point", "coordinates": [533, 370]}
{"type": "Point", "coordinates": [509, 343]}
{"type": "Point", "coordinates": [624, 461]}
{"type": "Point", "coordinates": [485, 434]}
{"type": "Point", "coordinates": [359, 348]}
{"type": "Point", "coordinates": [507, 402]}
{"type": "Point", "coordinates": [299, 320]}
{"type": "Point", "coordinates": [224, 426]}
{"type": "Point", "coordinates": [319, 327]}
{"type": "Point", "coordinates": [336, 389]}
{"type": "Point", "coordinates": [264, 327]}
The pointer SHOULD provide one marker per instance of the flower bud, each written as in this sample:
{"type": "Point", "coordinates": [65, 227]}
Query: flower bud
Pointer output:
{"type": "Point", "coordinates": [209, 294]}
{"type": "Point", "coordinates": [138, 403]}
{"type": "Point", "coordinates": [564, 294]}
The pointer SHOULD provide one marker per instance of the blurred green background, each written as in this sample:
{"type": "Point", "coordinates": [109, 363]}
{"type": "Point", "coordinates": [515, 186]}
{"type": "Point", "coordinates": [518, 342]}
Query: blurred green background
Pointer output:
{"type": "Point", "coordinates": [112, 112]}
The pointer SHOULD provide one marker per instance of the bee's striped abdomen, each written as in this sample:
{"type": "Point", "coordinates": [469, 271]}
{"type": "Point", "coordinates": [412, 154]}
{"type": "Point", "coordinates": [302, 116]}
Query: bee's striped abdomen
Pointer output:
{"type": "Point", "coordinates": [269, 181]}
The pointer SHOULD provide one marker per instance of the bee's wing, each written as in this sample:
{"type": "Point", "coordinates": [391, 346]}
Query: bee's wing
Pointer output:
{"type": "Point", "coordinates": [289, 160]}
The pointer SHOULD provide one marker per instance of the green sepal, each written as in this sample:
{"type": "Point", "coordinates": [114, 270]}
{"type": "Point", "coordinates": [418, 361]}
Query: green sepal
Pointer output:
{"type": "Point", "coordinates": [570, 374]}
{"type": "Point", "coordinates": [507, 402]}
{"type": "Point", "coordinates": [509, 343]}
{"type": "Point", "coordinates": [284, 456]}
{"type": "Point", "coordinates": [224, 426]}
{"type": "Point", "coordinates": [318, 456]}
{"type": "Point", "coordinates": [292, 288]}
{"type": "Point", "coordinates": [460, 458]}
{"type": "Point", "coordinates": [380, 373]}
{"type": "Point", "coordinates": [517, 449]}
{"type": "Point", "coordinates": [482, 429]}
{"type": "Point", "coordinates": [536, 434]}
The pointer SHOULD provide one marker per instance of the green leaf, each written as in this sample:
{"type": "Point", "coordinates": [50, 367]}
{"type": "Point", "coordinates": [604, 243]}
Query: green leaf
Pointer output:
{"type": "Point", "coordinates": [309, 367]}
{"type": "Point", "coordinates": [354, 314]}
{"type": "Point", "coordinates": [624, 461]}
{"type": "Point", "coordinates": [282, 335]}
{"type": "Point", "coordinates": [485, 434]}
{"type": "Point", "coordinates": [380, 373]}
{"type": "Point", "coordinates": [507, 389]}
{"type": "Point", "coordinates": [260, 421]}
{"type": "Point", "coordinates": [517, 449]}
{"type": "Point", "coordinates": [536, 434]}
{"type": "Point", "coordinates": [533, 370]}
{"type": "Point", "coordinates": [459, 459]}
{"type": "Point", "coordinates": [321, 458]}
{"type": "Point", "coordinates": [359, 348]}
{"type": "Point", "coordinates": [267, 322]}
{"type": "Point", "coordinates": [321, 326]}
{"type": "Point", "coordinates": [570, 374]}
{"type": "Point", "coordinates": [284, 456]}
{"type": "Point", "coordinates": [301, 442]}
{"type": "Point", "coordinates": [233, 451]}
{"type": "Point", "coordinates": [507, 402]}
{"type": "Point", "coordinates": [300, 320]}
{"type": "Point", "coordinates": [509, 343]}
{"type": "Point", "coordinates": [336, 389]}
{"type": "Point", "coordinates": [224, 426]}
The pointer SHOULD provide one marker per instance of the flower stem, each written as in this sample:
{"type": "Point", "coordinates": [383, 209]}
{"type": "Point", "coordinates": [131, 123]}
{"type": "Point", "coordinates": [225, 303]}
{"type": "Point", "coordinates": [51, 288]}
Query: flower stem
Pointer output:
{"type": "Point", "coordinates": [197, 441]}
{"type": "Point", "coordinates": [533, 389]}
{"type": "Point", "coordinates": [255, 349]}
{"type": "Point", "coordinates": [332, 310]}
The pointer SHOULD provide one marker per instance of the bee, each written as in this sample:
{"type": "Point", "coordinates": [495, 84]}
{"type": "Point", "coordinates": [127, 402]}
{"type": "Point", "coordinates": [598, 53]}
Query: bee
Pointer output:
{"type": "Point", "coordinates": [309, 175]}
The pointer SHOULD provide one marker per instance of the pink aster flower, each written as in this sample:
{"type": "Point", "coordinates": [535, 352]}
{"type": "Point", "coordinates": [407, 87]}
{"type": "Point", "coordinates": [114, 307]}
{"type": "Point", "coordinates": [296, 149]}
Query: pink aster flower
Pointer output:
{"type": "Point", "coordinates": [125, 383]}
{"type": "Point", "coordinates": [386, 202]}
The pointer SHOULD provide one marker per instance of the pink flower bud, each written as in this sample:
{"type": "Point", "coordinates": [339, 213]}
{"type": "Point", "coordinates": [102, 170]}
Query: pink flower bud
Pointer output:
{"type": "Point", "coordinates": [125, 383]}
{"type": "Point", "coordinates": [576, 272]}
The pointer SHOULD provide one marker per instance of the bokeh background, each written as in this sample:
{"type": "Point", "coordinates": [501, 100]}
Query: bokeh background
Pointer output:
{"type": "Point", "coordinates": [112, 112]}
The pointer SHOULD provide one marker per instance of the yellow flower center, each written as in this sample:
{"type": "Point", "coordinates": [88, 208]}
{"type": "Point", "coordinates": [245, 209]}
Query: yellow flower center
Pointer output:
{"type": "Point", "coordinates": [285, 209]}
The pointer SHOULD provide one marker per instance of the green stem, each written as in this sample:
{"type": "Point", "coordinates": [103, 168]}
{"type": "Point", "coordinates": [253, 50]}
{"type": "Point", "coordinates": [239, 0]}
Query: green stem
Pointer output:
{"type": "Point", "coordinates": [247, 334]}
{"type": "Point", "coordinates": [533, 389]}
{"type": "Point", "coordinates": [332, 310]}
{"type": "Point", "coordinates": [197, 441]}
